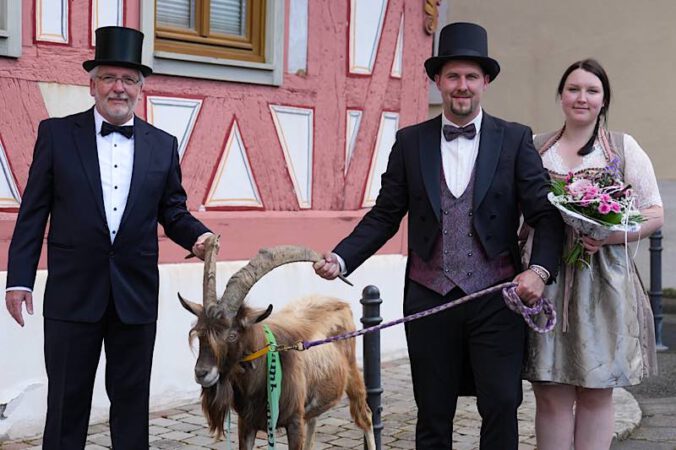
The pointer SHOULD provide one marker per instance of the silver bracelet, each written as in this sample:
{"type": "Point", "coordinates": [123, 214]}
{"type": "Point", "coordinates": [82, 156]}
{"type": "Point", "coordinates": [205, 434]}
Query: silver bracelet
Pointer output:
{"type": "Point", "coordinates": [541, 272]}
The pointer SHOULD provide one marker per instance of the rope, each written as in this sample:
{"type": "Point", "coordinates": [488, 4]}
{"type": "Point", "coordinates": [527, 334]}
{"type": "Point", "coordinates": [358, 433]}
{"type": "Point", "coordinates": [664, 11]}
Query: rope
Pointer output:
{"type": "Point", "coordinates": [512, 300]}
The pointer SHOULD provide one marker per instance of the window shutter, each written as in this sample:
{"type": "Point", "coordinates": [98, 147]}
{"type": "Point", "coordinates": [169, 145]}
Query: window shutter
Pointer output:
{"type": "Point", "coordinates": [176, 13]}
{"type": "Point", "coordinates": [228, 17]}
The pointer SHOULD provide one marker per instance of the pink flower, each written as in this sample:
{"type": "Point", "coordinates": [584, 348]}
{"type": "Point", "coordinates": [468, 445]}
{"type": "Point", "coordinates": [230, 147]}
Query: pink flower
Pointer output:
{"type": "Point", "coordinates": [604, 198]}
{"type": "Point", "coordinates": [604, 208]}
{"type": "Point", "coordinates": [579, 187]}
{"type": "Point", "coordinates": [591, 191]}
{"type": "Point", "coordinates": [615, 207]}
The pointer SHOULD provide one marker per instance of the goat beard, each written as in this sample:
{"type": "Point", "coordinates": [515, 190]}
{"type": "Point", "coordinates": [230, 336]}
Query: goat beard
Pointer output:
{"type": "Point", "coordinates": [216, 401]}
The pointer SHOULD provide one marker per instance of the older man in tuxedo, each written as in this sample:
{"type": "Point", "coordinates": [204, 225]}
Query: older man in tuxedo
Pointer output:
{"type": "Point", "coordinates": [464, 178]}
{"type": "Point", "coordinates": [104, 179]}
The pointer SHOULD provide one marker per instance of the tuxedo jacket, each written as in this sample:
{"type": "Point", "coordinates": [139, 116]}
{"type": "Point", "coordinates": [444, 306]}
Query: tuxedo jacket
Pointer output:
{"type": "Point", "coordinates": [510, 181]}
{"type": "Point", "coordinates": [86, 270]}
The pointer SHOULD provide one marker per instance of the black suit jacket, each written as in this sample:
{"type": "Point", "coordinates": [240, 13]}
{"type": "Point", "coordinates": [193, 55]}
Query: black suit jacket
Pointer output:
{"type": "Point", "coordinates": [509, 181]}
{"type": "Point", "coordinates": [86, 271]}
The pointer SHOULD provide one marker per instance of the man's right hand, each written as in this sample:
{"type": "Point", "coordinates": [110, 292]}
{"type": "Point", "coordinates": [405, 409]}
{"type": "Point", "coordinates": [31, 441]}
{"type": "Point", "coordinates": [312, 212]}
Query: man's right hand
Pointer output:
{"type": "Point", "coordinates": [327, 268]}
{"type": "Point", "coordinates": [14, 299]}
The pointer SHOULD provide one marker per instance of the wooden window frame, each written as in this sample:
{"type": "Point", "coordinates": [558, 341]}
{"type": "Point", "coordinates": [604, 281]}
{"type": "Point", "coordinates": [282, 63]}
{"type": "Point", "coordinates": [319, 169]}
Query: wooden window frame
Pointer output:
{"type": "Point", "coordinates": [202, 42]}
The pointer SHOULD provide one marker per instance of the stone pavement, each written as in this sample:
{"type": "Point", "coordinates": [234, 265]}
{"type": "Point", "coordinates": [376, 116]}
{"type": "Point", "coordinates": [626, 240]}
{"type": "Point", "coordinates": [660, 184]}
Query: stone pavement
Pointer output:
{"type": "Point", "coordinates": [184, 427]}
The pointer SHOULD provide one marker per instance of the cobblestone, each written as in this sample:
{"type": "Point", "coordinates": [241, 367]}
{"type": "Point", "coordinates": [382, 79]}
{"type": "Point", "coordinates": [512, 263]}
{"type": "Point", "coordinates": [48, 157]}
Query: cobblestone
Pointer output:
{"type": "Point", "coordinates": [184, 427]}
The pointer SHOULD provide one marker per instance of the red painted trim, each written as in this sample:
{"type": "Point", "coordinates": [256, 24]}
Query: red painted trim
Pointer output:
{"type": "Point", "coordinates": [291, 105]}
{"type": "Point", "coordinates": [253, 171]}
{"type": "Point", "coordinates": [37, 43]}
{"type": "Point", "coordinates": [380, 42]}
{"type": "Point", "coordinates": [243, 233]}
{"type": "Point", "coordinates": [401, 28]}
{"type": "Point", "coordinates": [372, 160]}
{"type": "Point", "coordinates": [346, 166]}
{"type": "Point", "coordinates": [214, 171]}
{"type": "Point", "coordinates": [11, 171]}
{"type": "Point", "coordinates": [89, 28]}
{"type": "Point", "coordinates": [151, 93]}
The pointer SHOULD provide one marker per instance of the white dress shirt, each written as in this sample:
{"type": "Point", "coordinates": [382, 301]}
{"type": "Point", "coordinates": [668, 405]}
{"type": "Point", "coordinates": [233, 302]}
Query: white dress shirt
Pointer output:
{"type": "Point", "coordinates": [459, 155]}
{"type": "Point", "coordinates": [116, 162]}
{"type": "Point", "coordinates": [457, 158]}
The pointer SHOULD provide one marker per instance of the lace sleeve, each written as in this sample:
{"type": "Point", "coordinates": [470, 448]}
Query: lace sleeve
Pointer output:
{"type": "Point", "coordinates": [639, 172]}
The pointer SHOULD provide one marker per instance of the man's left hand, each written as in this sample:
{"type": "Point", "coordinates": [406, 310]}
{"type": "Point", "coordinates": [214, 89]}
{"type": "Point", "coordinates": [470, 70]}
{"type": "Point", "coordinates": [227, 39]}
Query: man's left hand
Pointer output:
{"type": "Point", "coordinates": [198, 248]}
{"type": "Point", "coordinates": [530, 287]}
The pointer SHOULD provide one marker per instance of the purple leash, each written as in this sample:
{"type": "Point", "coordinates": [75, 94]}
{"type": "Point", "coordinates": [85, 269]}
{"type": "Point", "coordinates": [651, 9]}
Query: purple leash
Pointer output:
{"type": "Point", "coordinates": [512, 300]}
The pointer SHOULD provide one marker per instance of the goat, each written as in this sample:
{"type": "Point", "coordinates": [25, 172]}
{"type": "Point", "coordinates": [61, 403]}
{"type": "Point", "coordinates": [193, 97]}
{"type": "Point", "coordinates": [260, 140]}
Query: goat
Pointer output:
{"type": "Point", "coordinates": [313, 380]}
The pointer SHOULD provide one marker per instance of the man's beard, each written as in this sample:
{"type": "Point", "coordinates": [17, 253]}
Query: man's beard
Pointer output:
{"type": "Point", "coordinates": [461, 109]}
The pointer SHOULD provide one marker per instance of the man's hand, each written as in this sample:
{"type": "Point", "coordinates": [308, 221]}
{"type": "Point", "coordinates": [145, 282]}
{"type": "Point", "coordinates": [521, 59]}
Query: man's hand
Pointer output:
{"type": "Point", "coordinates": [198, 248]}
{"type": "Point", "coordinates": [530, 287]}
{"type": "Point", "coordinates": [14, 299]}
{"type": "Point", "coordinates": [327, 268]}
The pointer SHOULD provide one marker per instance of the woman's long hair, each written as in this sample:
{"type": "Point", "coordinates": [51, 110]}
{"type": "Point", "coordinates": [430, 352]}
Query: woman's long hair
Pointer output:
{"type": "Point", "coordinates": [592, 66]}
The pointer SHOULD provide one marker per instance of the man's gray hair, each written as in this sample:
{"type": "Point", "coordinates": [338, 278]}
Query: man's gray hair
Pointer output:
{"type": "Point", "coordinates": [95, 71]}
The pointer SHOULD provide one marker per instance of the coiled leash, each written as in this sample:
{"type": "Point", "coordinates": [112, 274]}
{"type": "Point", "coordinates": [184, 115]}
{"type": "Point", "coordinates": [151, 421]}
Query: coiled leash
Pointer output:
{"type": "Point", "coordinates": [272, 349]}
{"type": "Point", "coordinates": [542, 306]}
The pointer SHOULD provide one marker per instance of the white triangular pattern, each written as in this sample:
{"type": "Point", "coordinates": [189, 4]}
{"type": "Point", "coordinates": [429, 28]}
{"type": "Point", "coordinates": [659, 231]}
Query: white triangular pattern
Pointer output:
{"type": "Point", "coordinates": [176, 116]}
{"type": "Point", "coordinates": [9, 194]}
{"type": "Point", "coordinates": [398, 62]}
{"type": "Point", "coordinates": [295, 131]}
{"type": "Point", "coordinates": [51, 21]}
{"type": "Point", "coordinates": [105, 13]}
{"type": "Point", "coordinates": [389, 122]}
{"type": "Point", "coordinates": [366, 26]}
{"type": "Point", "coordinates": [351, 132]}
{"type": "Point", "coordinates": [234, 184]}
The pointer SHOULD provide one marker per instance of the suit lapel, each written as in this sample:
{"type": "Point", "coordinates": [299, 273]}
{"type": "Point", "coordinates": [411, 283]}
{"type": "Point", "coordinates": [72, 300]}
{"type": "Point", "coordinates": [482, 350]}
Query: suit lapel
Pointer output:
{"type": "Point", "coordinates": [430, 162]}
{"type": "Point", "coordinates": [84, 135]}
{"type": "Point", "coordinates": [142, 152]}
{"type": "Point", "coordinates": [490, 147]}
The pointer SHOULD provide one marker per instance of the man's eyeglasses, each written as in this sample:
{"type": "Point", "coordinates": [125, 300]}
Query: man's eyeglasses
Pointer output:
{"type": "Point", "coordinates": [110, 80]}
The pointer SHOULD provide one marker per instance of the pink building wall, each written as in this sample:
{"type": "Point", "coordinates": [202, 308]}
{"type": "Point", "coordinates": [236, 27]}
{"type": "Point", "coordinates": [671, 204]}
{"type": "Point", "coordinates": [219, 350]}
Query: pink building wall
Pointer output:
{"type": "Point", "coordinates": [327, 88]}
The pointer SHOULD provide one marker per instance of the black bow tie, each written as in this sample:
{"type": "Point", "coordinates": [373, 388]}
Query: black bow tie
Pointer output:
{"type": "Point", "coordinates": [451, 132]}
{"type": "Point", "coordinates": [125, 130]}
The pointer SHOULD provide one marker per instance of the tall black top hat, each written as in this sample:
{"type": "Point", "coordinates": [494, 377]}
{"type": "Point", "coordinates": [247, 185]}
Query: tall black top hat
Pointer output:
{"type": "Point", "coordinates": [118, 46]}
{"type": "Point", "coordinates": [463, 41]}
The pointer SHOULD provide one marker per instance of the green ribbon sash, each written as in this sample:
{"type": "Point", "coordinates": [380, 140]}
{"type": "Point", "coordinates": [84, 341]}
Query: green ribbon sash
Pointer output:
{"type": "Point", "coordinates": [274, 379]}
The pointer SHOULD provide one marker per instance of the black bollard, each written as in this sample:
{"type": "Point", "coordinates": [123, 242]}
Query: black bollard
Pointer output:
{"type": "Point", "coordinates": [656, 286]}
{"type": "Point", "coordinates": [370, 299]}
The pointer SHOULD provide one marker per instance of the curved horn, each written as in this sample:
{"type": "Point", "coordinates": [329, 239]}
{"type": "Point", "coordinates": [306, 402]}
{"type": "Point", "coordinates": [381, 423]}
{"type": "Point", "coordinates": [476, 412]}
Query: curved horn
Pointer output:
{"type": "Point", "coordinates": [209, 285]}
{"type": "Point", "coordinates": [267, 259]}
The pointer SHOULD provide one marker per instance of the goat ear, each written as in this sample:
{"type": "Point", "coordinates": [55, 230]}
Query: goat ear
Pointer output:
{"type": "Point", "coordinates": [265, 314]}
{"type": "Point", "coordinates": [193, 308]}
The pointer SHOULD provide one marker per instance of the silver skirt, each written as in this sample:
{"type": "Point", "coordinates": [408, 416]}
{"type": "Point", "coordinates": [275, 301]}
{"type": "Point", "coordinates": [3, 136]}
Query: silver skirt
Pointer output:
{"type": "Point", "coordinates": [610, 337]}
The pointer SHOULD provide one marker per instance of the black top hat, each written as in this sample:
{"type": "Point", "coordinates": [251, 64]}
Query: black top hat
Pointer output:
{"type": "Point", "coordinates": [118, 46]}
{"type": "Point", "coordinates": [463, 41]}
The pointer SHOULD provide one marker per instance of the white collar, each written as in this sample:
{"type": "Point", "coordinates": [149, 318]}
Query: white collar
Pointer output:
{"type": "Point", "coordinates": [98, 120]}
{"type": "Point", "coordinates": [476, 121]}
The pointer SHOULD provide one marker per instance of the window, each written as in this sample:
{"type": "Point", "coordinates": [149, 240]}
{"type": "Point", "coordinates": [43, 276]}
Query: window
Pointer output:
{"type": "Point", "coordinates": [235, 40]}
{"type": "Point", "coordinates": [231, 29]}
{"type": "Point", "coordinates": [10, 28]}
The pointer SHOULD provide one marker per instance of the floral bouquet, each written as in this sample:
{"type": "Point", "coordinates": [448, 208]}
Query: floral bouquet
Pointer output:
{"type": "Point", "coordinates": [595, 206]}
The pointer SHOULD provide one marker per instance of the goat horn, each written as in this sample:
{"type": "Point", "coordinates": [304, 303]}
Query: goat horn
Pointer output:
{"type": "Point", "coordinates": [209, 285]}
{"type": "Point", "coordinates": [267, 259]}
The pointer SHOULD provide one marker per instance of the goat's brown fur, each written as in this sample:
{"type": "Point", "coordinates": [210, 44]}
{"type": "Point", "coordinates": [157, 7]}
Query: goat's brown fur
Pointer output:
{"type": "Point", "coordinates": [313, 381]}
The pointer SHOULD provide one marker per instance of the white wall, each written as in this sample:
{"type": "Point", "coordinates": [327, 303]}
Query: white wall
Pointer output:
{"type": "Point", "coordinates": [23, 383]}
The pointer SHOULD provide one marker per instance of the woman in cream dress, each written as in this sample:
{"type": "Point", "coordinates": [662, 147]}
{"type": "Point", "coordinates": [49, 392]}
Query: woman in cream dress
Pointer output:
{"type": "Point", "coordinates": [605, 336]}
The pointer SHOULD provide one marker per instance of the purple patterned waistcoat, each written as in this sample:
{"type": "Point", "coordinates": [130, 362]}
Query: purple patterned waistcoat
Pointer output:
{"type": "Point", "coordinates": [458, 259]}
